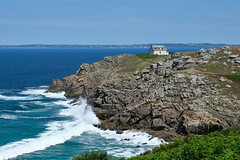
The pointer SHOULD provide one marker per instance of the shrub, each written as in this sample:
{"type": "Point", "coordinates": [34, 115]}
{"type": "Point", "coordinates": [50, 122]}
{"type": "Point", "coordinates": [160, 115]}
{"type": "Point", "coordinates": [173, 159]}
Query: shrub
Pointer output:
{"type": "Point", "coordinates": [93, 155]}
{"type": "Point", "coordinates": [217, 145]}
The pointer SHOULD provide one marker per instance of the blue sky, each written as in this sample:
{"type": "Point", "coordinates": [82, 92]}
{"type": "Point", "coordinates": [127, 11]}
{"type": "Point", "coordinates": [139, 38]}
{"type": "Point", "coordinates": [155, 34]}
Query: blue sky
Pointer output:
{"type": "Point", "coordinates": [119, 21]}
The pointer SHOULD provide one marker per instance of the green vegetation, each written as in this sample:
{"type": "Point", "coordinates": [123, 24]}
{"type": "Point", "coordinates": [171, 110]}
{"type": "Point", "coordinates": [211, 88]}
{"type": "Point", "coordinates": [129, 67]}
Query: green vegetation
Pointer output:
{"type": "Point", "coordinates": [235, 78]}
{"type": "Point", "coordinates": [147, 56]}
{"type": "Point", "coordinates": [132, 63]}
{"type": "Point", "coordinates": [218, 145]}
{"type": "Point", "coordinates": [129, 63]}
{"type": "Point", "coordinates": [93, 155]}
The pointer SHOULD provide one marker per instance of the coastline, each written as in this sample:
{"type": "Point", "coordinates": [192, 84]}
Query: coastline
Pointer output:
{"type": "Point", "coordinates": [164, 96]}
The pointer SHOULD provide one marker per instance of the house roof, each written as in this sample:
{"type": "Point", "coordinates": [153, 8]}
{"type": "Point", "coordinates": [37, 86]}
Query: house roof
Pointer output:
{"type": "Point", "coordinates": [158, 48]}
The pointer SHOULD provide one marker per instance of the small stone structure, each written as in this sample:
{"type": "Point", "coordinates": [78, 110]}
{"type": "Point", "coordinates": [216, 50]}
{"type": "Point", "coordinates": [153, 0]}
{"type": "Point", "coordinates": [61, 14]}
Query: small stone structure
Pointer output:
{"type": "Point", "coordinates": [158, 50]}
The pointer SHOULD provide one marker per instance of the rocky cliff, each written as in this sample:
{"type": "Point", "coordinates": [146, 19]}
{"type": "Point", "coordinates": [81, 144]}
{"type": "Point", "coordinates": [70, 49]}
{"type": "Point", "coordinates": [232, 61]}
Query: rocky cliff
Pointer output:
{"type": "Point", "coordinates": [196, 92]}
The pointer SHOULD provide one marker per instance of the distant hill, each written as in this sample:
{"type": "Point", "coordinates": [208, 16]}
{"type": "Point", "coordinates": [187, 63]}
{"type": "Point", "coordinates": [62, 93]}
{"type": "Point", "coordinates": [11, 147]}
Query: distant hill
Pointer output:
{"type": "Point", "coordinates": [169, 45]}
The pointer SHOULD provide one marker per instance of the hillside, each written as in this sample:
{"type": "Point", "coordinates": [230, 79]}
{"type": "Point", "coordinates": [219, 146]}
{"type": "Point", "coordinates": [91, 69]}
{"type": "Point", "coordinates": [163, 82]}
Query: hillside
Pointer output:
{"type": "Point", "coordinates": [196, 92]}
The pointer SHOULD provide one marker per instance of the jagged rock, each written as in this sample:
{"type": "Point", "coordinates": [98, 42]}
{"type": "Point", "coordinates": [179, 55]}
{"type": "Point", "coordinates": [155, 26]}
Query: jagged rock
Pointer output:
{"type": "Point", "coordinates": [212, 51]}
{"type": "Point", "coordinates": [183, 63]}
{"type": "Point", "coordinates": [158, 124]}
{"type": "Point", "coordinates": [161, 99]}
{"type": "Point", "coordinates": [238, 62]}
{"type": "Point", "coordinates": [222, 79]}
{"type": "Point", "coordinates": [153, 66]}
{"type": "Point", "coordinates": [160, 63]}
{"type": "Point", "coordinates": [169, 57]}
{"type": "Point", "coordinates": [203, 128]}
{"type": "Point", "coordinates": [233, 56]}
{"type": "Point", "coordinates": [108, 59]}
{"type": "Point", "coordinates": [145, 71]}
{"type": "Point", "coordinates": [202, 52]}
{"type": "Point", "coordinates": [201, 61]}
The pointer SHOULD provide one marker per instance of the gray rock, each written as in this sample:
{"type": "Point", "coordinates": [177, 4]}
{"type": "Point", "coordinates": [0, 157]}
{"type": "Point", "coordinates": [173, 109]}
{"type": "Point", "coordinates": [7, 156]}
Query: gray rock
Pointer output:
{"type": "Point", "coordinates": [238, 62]}
{"type": "Point", "coordinates": [169, 57]}
{"type": "Point", "coordinates": [226, 47]}
{"type": "Point", "coordinates": [233, 56]}
{"type": "Point", "coordinates": [160, 63]}
{"type": "Point", "coordinates": [108, 59]}
{"type": "Point", "coordinates": [145, 71]}
{"type": "Point", "coordinates": [158, 124]}
{"type": "Point", "coordinates": [228, 86]}
{"type": "Point", "coordinates": [202, 51]}
{"type": "Point", "coordinates": [201, 61]}
{"type": "Point", "coordinates": [153, 66]}
{"type": "Point", "coordinates": [222, 79]}
{"type": "Point", "coordinates": [212, 51]}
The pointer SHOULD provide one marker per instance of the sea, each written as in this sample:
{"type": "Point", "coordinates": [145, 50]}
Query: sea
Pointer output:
{"type": "Point", "coordinates": [35, 124]}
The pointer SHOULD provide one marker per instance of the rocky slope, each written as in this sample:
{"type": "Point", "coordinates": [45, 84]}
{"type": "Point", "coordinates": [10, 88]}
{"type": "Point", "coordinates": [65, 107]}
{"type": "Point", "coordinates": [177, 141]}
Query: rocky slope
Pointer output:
{"type": "Point", "coordinates": [164, 96]}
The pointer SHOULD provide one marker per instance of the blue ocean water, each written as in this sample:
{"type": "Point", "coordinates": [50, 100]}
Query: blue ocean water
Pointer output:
{"type": "Point", "coordinates": [39, 125]}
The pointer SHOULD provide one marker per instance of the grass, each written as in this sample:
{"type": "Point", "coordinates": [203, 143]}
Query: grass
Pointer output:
{"type": "Point", "coordinates": [138, 62]}
{"type": "Point", "coordinates": [235, 78]}
{"type": "Point", "coordinates": [129, 63]}
{"type": "Point", "coordinates": [147, 56]}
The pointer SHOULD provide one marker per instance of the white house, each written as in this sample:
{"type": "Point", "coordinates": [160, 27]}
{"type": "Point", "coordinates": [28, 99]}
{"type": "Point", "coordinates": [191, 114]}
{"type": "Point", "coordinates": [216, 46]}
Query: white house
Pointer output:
{"type": "Point", "coordinates": [158, 49]}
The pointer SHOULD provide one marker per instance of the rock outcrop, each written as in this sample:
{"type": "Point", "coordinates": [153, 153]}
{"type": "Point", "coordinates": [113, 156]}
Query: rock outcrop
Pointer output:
{"type": "Point", "coordinates": [165, 98]}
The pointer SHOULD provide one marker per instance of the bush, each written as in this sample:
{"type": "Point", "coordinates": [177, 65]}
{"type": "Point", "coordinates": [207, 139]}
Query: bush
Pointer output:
{"type": "Point", "coordinates": [217, 145]}
{"type": "Point", "coordinates": [93, 155]}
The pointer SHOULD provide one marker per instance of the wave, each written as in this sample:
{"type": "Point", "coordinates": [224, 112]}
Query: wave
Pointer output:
{"type": "Point", "coordinates": [129, 143]}
{"type": "Point", "coordinates": [45, 87]}
{"type": "Point", "coordinates": [57, 132]}
{"type": "Point", "coordinates": [19, 98]}
{"type": "Point", "coordinates": [43, 92]}
{"type": "Point", "coordinates": [8, 116]}
{"type": "Point", "coordinates": [63, 129]}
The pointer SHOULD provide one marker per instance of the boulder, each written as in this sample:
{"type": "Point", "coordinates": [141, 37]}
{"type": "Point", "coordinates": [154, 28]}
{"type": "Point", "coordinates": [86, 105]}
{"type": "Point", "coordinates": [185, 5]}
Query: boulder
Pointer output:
{"type": "Point", "coordinates": [212, 51]}
{"type": "Point", "coordinates": [158, 124]}
{"type": "Point", "coordinates": [233, 56]}
{"type": "Point", "coordinates": [201, 61]}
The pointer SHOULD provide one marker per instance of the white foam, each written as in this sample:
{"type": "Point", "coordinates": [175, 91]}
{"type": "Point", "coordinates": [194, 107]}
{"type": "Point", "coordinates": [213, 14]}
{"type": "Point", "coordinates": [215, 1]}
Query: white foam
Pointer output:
{"type": "Point", "coordinates": [29, 111]}
{"type": "Point", "coordinates": [19, 98]}
{"type": "Point", "coordinates": [45, 87]}
{"type": "Point", "coordinates": [132, 137]}
{"type": "Point", "coordinates": [23, 106]}
{"type": "Point", "coordinates": [43, 92]}
{"type": "Point", "coordinates": [137, 142]}
{"type": "Point", "coordinates": [56, 132]}
{"type": "Point", "coordinates": [8, 116]}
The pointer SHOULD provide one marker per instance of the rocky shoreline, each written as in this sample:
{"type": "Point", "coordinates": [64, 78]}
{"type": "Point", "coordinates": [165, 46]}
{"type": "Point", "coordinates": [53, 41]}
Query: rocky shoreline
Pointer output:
{"type": "Point", "coordinates": [164, 96]}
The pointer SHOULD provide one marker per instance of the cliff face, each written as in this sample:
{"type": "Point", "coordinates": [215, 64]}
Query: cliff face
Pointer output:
{"type": "Point", "coordinates": [165, 96]}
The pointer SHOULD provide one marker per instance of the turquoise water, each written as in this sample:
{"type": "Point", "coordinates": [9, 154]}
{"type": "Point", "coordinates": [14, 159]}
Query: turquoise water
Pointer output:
{"type": "Point", "coordinates": [39, 125]}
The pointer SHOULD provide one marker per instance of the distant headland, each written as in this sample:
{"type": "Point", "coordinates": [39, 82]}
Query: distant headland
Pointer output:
{"type": "Point", "coordinates": [168, 45]}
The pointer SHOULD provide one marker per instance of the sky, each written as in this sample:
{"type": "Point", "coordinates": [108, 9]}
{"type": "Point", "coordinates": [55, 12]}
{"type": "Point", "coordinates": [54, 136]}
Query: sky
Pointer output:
{"type": "Point", "coordinates": [119, 21]}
